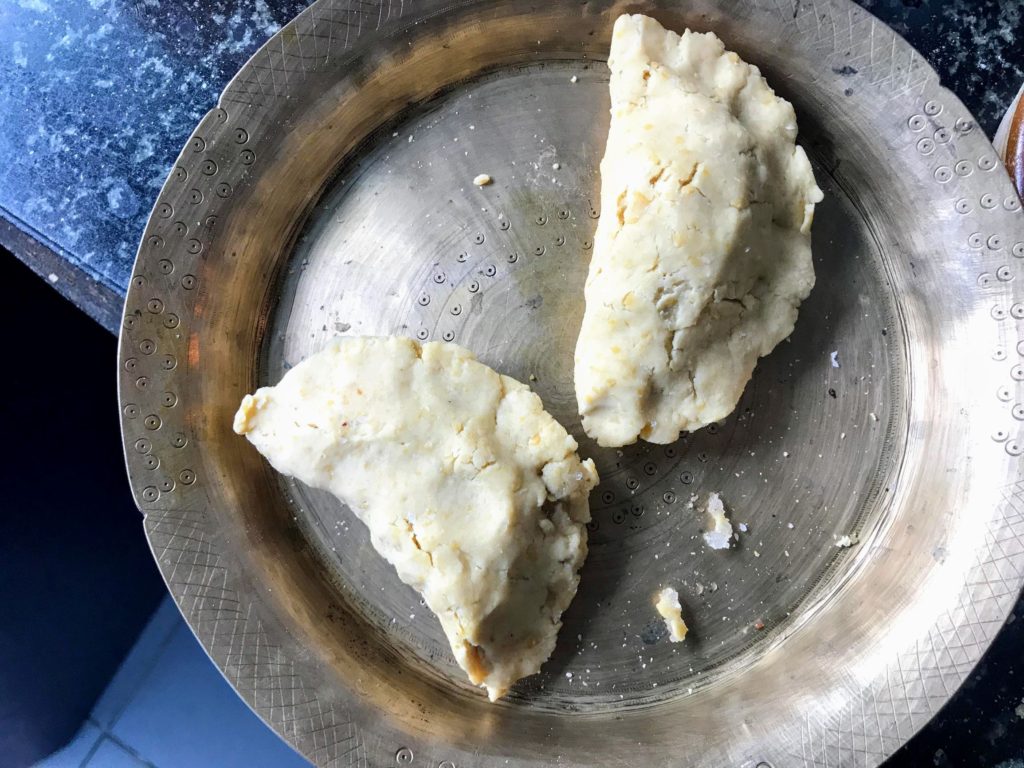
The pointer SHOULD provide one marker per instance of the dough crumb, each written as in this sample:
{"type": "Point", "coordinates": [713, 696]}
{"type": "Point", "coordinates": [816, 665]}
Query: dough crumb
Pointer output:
{"type": "Point", "coordinates": [834, 359]}
{"type": "Point", "coordinates": [847, 540]}
{"type": "Point", "coordinates": [574, 79]}
{"type": "Point", "coordinates": [720, 536]}
{"type": "Point", "coordinates": [671, 611]}
{"type": "Point", "coordinates": [482, 180]}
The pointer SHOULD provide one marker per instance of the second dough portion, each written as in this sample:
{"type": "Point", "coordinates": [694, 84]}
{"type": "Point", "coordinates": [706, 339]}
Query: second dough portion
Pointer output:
{"type": "Point", "coordinates": [702, 253]}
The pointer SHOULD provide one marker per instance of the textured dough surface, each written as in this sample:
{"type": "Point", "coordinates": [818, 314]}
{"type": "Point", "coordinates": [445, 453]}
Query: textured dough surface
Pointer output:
{"type": "Point", "coordinates": [469, 488]}
{"type": "Point", "coordinates": [702, 252]}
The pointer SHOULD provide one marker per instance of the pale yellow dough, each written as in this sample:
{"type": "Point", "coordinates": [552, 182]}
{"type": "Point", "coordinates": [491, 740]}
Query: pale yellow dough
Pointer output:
{"type": "Point", "coordinates": [469, 488]}
{"type": "Point", "coordinates": [671, 611]}
{"type": "Point", "coordinates": [702, 252]}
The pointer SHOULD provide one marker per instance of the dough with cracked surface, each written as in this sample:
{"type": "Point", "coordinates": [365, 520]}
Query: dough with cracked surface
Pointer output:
{"type": "Point", "coordinates": [702, 253]}
{"type": "Point", "coordinates": [469, 488]}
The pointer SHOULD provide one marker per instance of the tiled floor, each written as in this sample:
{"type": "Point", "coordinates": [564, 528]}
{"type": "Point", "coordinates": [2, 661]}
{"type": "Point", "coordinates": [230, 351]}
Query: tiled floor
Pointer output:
{"type": "Point", "coordinates": [168, 706]}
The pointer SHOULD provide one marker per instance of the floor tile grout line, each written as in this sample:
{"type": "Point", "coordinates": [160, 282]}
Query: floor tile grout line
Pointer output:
{"type": "Point", "coordinates": [95, 745]}
{"type": "Point", "coordinates": [161, 648]}
{"type": "Point", "coordinates": [129, 749]}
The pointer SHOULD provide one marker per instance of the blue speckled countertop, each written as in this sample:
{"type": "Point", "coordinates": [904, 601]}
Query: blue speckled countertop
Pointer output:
{"type": "Point", "coordinates": [98, 96]}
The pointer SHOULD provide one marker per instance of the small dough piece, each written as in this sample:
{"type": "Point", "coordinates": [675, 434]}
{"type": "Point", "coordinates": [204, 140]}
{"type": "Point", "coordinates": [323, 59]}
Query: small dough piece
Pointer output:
{"type": "Point", "coordinates": [482, 180]}
{"type": "Point", "coordinates": [469, 488]}
{"type": "Point", "coordinates": [720, 535]}
{"type": "Point", "coordinates": [672, 612]}
{"type": "Point", "coordinates": [702, 252]}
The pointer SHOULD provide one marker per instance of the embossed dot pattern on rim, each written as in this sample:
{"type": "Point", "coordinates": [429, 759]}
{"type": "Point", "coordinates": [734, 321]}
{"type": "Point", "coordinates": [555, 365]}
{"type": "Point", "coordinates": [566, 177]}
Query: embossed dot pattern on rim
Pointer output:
{"type": "Point", "coordinates": [201, 261]}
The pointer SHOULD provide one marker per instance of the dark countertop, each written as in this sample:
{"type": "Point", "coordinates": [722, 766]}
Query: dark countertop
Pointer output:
{"type": "Point", "coordinates": [98, 97]}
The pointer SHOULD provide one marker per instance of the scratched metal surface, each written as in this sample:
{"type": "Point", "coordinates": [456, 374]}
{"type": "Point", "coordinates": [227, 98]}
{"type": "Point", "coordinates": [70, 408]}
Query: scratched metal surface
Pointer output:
{"type": "Point", "coordinates": [330, 193]}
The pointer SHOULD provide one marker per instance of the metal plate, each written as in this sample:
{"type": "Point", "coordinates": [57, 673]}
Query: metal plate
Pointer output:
{"type": "Point", "coordinates": [330, 192]}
